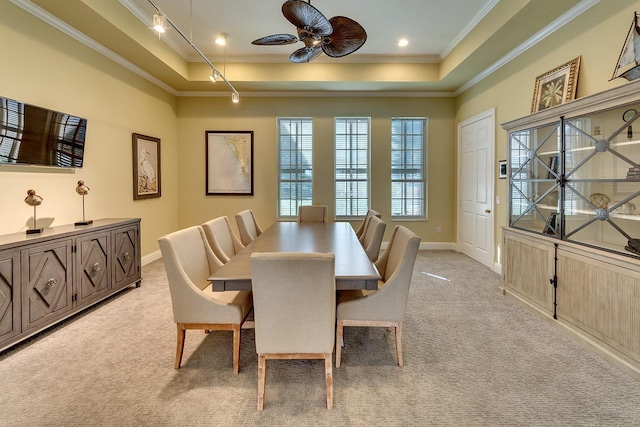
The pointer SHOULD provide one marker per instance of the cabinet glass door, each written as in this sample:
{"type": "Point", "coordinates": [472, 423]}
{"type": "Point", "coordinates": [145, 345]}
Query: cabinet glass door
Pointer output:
{"type": "Point", "coordinates": [601, 205]}
{"type": "Point", "coordinates": [535, 170]}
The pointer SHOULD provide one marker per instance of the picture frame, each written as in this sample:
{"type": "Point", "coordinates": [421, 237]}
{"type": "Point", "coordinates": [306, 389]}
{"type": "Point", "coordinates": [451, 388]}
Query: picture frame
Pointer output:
{"type": "Point", "coordinates": [229, 162]}
{"type": "Point", "coordinates": [556, 87]}
{"type": "Point", "coordinates": [502, 169]}
{"type": "Point", "coordinates": [146, 167]}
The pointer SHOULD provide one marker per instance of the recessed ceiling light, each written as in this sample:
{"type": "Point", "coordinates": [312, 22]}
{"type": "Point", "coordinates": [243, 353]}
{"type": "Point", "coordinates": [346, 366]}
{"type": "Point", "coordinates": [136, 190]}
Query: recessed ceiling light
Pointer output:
{"type": "Point", "coordinates": [403, 42]}
{"type": "Point", "coordinates": [222, 39]}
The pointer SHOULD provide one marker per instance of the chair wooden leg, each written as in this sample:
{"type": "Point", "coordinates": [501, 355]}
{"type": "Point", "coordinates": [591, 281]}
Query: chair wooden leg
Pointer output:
{"type": "Point", "coordinates": [179, 344]}
{"type": "Point", "coordinates": [236, 348]}
{"type": "Point", "coordinates": [328, 372]}
{"type": "Point", "coordinates": [399, 343]}
{"type": "Point", "coordinates": [339, 342]}
{"type": "Point", "coordinates": [262, 374]}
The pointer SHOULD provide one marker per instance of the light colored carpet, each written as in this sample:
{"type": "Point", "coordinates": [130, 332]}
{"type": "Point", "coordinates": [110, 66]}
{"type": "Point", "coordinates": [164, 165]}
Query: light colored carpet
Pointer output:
{"type": "Point", "coordinates": [472, 357]}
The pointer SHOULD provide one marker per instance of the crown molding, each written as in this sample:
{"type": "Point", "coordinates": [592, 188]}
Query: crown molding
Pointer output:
{"type": "Point", "coordinates": [558, 23]}
{"type": "Point", "coordinates": [321, 94]}
{"type": "Point", "coordinates": [42, 14]}
{"type": "Point", "coordinates": [470, 26]}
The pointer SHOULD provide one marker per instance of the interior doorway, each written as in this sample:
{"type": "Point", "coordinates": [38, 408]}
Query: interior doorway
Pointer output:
{"type": "Point", "coordinates": [476, 172]}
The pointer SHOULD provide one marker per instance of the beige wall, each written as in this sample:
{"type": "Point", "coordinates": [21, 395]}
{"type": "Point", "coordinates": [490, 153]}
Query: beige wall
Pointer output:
{"type": "Point", "coordinates": [597, 36]}
{"type": "Point", "coordinates": [196, 115]}
{"type": "Point", "coordinates": [44, 67]}
{"type": "Point", "coordinates": [51, 70]}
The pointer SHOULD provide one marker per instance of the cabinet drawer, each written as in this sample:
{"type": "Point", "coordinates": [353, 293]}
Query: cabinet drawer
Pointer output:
{"type": "Point", "coordinates": [126, 259]}
{"type": "Point", "coordinates": [46, 283]}
{"type": "Point", "coordinates": [93, 274]}
{"type": "Point", "coordinates": [9, 294]}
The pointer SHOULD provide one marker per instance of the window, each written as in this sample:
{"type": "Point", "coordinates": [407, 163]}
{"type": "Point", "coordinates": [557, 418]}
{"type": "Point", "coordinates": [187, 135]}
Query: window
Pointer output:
{"type": "Point", "coordinates": [408, 149]}
{"type": "Point", "coordinates": [352, 166]}
{"type": "Point", "coordinates": [295, 165]}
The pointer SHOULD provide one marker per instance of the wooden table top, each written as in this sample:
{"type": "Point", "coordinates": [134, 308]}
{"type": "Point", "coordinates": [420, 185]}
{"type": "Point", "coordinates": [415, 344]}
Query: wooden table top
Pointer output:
{"type": "Point", "coordinates": [353, 269]}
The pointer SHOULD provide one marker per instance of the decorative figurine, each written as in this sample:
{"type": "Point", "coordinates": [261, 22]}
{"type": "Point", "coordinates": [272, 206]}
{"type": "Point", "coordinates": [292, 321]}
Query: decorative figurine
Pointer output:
{"type": "Point", "coordinates": [82, 190]}
{"type": "Point", "coordinates": [34, 200]}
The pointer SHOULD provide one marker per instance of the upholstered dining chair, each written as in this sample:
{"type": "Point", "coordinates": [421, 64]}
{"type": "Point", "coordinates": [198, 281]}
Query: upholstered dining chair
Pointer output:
{"type": "Point", "coordinates": [373, 237]}
{"type": "Point", "coordinates": [223, 241]}
{"type": "Point", "coordinates": [247, 226]}
{"type": "Point", "coordinates": [386, 306]}
{"type": "Point", "coordinates": [363, 225]}
{"type": "Point", "coordinates": [294, 309]}
{"type": "Point", "coordinates": [313, 213]}
{"type": "Point", "coordinates": [189, 262]}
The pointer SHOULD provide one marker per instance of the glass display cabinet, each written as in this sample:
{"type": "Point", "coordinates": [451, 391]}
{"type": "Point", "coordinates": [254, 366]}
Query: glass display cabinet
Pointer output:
{"type": "Point", "coordinates": [577, 177]}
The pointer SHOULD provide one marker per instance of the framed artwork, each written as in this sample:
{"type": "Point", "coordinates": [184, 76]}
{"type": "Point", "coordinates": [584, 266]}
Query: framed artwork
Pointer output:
{"type": "Point", "coordinates": [502, 169]}
{"type": "Point", "coordinates": [229, 157]}
{"type": "Point", "coordinates": [146, 167]}
{"type": "Point", "coordinates": [556, 87]}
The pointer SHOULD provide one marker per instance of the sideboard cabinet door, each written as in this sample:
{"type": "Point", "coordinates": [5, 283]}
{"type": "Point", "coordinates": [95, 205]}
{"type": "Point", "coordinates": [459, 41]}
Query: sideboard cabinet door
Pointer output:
{"type": "Point", "coordinates": [126, 260]}
{"type": "Point", "coordinates": [46, 283]}
{"type": "Point", "coordinates": [9, 294]}
{"type": "Point", "coordinates": [92, 267]}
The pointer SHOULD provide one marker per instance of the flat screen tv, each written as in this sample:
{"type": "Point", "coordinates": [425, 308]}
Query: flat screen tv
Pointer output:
{"type": "Point", "coordinates": [31, 135]}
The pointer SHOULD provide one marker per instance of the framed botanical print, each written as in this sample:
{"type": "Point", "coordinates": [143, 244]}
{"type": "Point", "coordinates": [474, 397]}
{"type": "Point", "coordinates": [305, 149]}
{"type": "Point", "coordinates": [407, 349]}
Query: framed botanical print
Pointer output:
{"type": "Point", "coordinates": [556, 87]}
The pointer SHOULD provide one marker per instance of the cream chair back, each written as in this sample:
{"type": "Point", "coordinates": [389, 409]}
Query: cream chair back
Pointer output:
{"type": "Point", "coordinates": [294, 309]}
{"type": "Point", "coordinates": [294, 302]}
{"type": "Point", "coordinates": [363, 225]}
{"type": "Point", "coordinates": [189, 262]}
{"type": "Point", "coordinates": [313, 213]}
{"type": "Point", "coordinates": [373, 237]}
{"type": "Point", "coordinates": [223, 241]}
{"type": "Point", "coordinates": [387, 306]}
{"type": "Point", "coordinates": [247, 226]}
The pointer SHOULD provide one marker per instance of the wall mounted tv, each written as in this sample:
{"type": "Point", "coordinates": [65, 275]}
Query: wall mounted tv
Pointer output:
{"type": "Point", "coordinates": [31, 135]}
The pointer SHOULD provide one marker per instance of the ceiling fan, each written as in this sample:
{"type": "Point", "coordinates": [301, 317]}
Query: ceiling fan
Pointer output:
{"type": "Point", "coordinates": [336, 37]}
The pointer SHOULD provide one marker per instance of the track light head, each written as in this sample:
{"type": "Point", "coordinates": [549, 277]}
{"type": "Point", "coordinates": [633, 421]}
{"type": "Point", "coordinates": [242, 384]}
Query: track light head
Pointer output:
{"type": "Point", "coordinates": [159, 22]}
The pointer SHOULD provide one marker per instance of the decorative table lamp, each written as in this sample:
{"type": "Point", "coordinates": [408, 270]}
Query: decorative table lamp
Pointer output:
{"type": "Point", "coordinates": [34, 200]}
{"type": "Point", "coordinates": [82, 190]}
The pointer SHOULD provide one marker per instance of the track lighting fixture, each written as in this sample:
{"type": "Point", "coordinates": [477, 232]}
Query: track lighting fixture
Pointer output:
{"type": "Point", "coordinates": [159, 24]}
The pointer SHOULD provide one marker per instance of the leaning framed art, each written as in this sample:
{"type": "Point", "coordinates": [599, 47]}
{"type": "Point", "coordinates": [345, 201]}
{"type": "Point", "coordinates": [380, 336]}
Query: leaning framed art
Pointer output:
{"type": "Point", "coordinates": [229, 167]}
{"type": "Point", "coordinates": [556, 87]}
{"type": "Point", "coordinates": [146, 167]}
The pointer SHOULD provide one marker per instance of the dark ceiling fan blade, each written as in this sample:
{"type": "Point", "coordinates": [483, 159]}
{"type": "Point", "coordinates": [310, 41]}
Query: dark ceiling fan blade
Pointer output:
{"type": "Point", "coordinates": [276, 40]}
{"type": "Point", "coordinates": [305, 54]}
{"type": "Point", "coordinates": [306, 17]}
{"type": "Point", "coordinates": [348, 36]}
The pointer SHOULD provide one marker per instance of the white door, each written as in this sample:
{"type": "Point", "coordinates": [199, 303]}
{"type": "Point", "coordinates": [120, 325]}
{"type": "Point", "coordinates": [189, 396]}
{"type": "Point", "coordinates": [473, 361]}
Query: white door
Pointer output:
{"type": "Point", "coordinates": [475, 187]}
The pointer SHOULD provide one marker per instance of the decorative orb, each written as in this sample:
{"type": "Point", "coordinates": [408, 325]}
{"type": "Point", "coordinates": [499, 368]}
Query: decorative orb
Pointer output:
{"type": "Point", "coordinates": [602, 214]}
{"type": "Point", "coordinates": [599, 200]}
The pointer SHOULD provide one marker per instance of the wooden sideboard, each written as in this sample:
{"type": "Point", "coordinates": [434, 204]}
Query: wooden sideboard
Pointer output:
{"type": "Point", "coordinates": [47, 277]}
{"type": "Point", "coordinates": [597, 295]}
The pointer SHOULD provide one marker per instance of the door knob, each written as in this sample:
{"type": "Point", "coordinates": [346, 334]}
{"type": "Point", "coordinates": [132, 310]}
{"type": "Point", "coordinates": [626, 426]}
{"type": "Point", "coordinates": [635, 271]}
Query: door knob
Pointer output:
{"type": "Point", "coordinates": [487, 211]}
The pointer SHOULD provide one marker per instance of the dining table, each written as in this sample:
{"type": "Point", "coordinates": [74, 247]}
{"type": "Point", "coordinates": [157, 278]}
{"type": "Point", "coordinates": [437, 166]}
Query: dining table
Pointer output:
{"type": "Point", "coordinates": [353, 268]}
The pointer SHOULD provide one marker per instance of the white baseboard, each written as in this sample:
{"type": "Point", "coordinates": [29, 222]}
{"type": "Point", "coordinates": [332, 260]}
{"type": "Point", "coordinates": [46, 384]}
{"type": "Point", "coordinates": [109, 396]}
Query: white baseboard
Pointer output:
{"type": "Point", "coordinates": [497, 267]}
{"type": "Point", "coordinates": [153, 256]}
